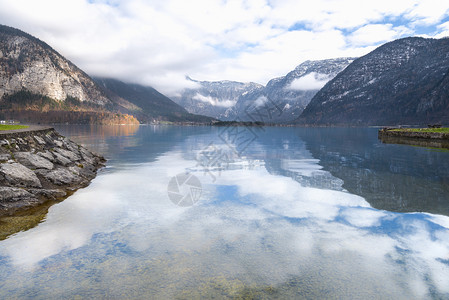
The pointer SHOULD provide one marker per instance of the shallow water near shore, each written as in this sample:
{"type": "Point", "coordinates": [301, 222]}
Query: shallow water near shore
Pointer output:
{"type": "Point", "coordinates": [279, 213]}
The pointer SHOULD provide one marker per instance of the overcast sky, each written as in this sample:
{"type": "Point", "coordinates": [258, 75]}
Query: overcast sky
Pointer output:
{"type": "Point", "coordinates": [159, 42]}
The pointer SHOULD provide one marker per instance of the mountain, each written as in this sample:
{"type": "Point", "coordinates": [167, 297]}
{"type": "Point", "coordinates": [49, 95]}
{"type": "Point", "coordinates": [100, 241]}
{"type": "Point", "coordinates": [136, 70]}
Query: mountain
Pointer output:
{"type": "Point", "coordinates": [402, 82]}
{"type": "Point", "coordinates": [148, 104]}
{"type": "Point", "coordinates": [299, 86]}
{"type": "Point", "coordinates": [215, 98]}
{"type": "Point", "coordinates": [37, 84]}
{"type": "Point", "coordinates": [30, 64]}
{"type": "Point", "coordinates": [284, 98]}
{"type": "Point", "coordinates": [281, 100]}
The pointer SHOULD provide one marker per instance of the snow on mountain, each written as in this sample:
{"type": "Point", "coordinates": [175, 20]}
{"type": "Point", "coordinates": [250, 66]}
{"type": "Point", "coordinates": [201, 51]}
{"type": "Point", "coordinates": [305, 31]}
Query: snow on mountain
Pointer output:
{"type": "Point", "coordinates": [282, 100]}
{"type": "Point", "coordinates": [402, 82]}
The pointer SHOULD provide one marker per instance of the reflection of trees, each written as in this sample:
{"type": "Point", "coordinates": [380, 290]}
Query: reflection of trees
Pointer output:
{"type": "Point", "coordinates": [118, 130]}
{"type": "Point", "coordinates": [391, 177]}
{"type": "Point", "coordinates": [431, 143]}
{"type": "Point", "coordinates": [129, 143]}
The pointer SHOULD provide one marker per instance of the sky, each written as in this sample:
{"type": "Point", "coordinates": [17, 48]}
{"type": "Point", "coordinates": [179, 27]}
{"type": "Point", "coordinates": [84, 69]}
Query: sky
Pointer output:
{"type": "Point", "coordinates": [160, 42]}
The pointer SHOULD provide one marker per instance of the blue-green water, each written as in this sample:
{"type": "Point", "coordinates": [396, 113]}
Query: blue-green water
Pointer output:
{"type": "Point", "coordinates": [281, 213]}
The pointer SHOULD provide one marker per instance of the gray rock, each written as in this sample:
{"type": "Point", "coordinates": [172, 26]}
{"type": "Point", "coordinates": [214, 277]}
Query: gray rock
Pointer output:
{"type": "Point", "coordinates": [4, 142]}
{"type": "Point", "coordinates": [48, 139]}
{"type": "Point", "coordinates": [88, 166]}
{"type": "Point", "coordinates": [42, 172]}
{"type": "Point", "coordinates": [39, 140]}
{"type": "Point", "coordinates": [33, 160]}
{"type": "Point", "coordinates": [88, 170]}
{"type": "Point", "coordinates": [12, 194]}
{"type": "Point", "coordinates": [5, 157]}
{"type": "Point", "coordinates": [88, 156]}
{"type": "Point", "coordinates": [62, 176]}
{"type": "Point", "coordinates": [58, 143]}
{"type": "Point", "coordinates": [47, 154]}
{"type": "Point", "coordinates": [71, 146]}
{"type": "Point", "coordinates": [88, 174]}
{"type": "Point", "coordinates": [85, 152]}
{"type": "Point", "coordinates": [61, 159]}
{"type": "Point", "coordinates": [69, 154]}
{"type": "Point", "coordinates": [49, 194]}
{"type": "Point", "coordinates": [89, 159]}
{"type": "Point", "coordinates": [75, 170]}
{"type": "Point", "coordinates": [19, 175]}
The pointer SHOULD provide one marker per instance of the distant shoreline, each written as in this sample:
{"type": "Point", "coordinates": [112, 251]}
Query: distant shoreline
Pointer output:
{"type": "Point", "coordinates": [423, 137]}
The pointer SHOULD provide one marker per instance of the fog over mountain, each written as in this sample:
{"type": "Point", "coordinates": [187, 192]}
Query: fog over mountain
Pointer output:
{"type": "Point", "coordinates": [39, 85]}
{"type": "Point", "coordinates": [286, 96]}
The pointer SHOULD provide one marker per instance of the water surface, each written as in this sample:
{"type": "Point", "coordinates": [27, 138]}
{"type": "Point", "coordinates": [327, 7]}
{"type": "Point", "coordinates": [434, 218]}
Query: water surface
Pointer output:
{"type": "Point", "coordinates": [282, 213]}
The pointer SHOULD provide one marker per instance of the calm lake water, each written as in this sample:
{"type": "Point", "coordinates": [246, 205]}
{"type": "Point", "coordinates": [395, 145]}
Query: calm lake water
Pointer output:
{"type": "Point", "coordinates": [277, 213]}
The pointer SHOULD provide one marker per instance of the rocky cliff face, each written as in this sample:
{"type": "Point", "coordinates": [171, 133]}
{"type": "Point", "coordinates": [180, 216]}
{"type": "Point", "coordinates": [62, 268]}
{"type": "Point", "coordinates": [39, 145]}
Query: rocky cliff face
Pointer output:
{"type": "Point", "coordinates": [26, 63]}
{"type": "Point", "coordinates": [402, 82]}
{"type": "Point", "coordinates": [282, 100]}
{"type": "Point", "coordinates": [41, 165]}
{"type": "Point", "coordinates": [38, 85]}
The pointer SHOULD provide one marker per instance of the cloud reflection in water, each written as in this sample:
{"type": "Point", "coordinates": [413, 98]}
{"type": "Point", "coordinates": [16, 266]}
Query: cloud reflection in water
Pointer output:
{"type": "Point", "coordinates": [249, 224]}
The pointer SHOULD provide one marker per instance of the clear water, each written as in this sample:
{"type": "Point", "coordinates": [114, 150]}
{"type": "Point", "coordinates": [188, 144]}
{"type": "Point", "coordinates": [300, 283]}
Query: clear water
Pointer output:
{"type": "Point", "coordinates": [281, 213]}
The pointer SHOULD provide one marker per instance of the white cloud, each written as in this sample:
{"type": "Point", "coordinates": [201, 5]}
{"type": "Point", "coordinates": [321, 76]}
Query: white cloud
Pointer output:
{"type": "Point", "coordinates": [214, 101]}
{"type": "Point", "coordinates": [377, 33]}
{"type": "Point", "coordinates": [311, 81]}
{"type": "Point", "coordinates": [329, 237]}
{"type": "Point", "coordinates": [363, 217]}
{"type": "Point", "coordinates": [444, 30]}
{"type": "Point", "coordinates": [159, 42]}
{"type": "Point", "coordinates": [260, 101]}
{"type": "Point", "coordinates": [428, 12]}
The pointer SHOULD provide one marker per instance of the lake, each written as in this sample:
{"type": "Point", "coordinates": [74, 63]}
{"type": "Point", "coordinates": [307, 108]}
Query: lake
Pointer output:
{"type": "Point", "coordinates": [241, 212]}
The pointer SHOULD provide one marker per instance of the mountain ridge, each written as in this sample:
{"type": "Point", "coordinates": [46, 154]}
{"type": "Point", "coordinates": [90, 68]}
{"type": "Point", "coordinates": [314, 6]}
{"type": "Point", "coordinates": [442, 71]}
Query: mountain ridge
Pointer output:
{"type": "Point", "coordinates": [29, 63]}
{"type": "Point", "coordinates": [147, 104]}
{"type": "Point", "coordinates": [214, 98]}
{"type": "Point", "coordinates": [39, 85]}
{"type": "Point", "coordinates": [232, 100]}
{"type": "Point", "coordinates": [401, 82]}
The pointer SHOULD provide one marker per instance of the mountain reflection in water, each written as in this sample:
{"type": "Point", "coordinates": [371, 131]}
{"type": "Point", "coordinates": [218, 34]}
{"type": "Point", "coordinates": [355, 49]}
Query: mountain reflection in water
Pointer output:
{"type": "Point", "coordinates": [290, 217]}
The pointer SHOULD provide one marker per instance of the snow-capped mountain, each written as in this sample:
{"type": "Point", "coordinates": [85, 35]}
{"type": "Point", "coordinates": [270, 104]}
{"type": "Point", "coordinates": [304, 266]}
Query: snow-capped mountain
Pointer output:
{"type": "Point", "coordinates": [289, 95]}
{"type": "Point", "coordinates": [401, 82]}
{"type": "Point", "coordinates": [282, 100]}
{"type": "Point", "coordinates": [215, 98]}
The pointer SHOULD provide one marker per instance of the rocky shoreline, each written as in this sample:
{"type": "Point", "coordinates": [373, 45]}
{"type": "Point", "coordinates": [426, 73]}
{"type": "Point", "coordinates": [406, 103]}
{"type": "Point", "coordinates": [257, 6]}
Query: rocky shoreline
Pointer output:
{"type": "Point", "coordinates": [37, 164]}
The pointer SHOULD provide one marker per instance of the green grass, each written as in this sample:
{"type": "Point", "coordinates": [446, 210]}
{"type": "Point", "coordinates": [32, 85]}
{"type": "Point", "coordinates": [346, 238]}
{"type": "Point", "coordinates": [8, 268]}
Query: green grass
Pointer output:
{"type": "Point", "coordinates": [12, 127]}
{"type": "Point", "coordinates": [443, 130]}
